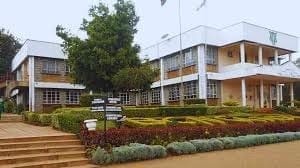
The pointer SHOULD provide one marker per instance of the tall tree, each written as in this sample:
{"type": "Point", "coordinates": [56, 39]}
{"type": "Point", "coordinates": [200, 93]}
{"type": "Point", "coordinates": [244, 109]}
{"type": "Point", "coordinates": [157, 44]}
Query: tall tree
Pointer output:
{"type": "Point", "coordinates": [9, 46]}
{"type": "Point", "coordinates": [108, 48]}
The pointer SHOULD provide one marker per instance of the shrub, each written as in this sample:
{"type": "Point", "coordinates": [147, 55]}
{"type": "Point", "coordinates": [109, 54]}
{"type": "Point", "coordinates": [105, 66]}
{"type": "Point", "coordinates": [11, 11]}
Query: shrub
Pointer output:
{"type": "Point", "coordinates": [69, 119]}
{"type": "Point", "coordinates": [144, 123]}
{"type": "Point", "coordinates": [123, 136]}
{"type": "Point", "coordinates": [215, 110]}
{"type": "Point", "coordinates": [228, 142]}
{"type": "Point", "coordinates": [141, 112]}
{"type": "Point", "coordinates": [45, 119]}
{"type": "Point", "coordinates": [86, 99]}
{"type": "Point", "coordinates": [297, 103]}
{"type": "Point", "coordinates": [183, 111]}
{"type": "Point", "coordinates": [285, 109]}
{"type": "Point", "coordinates": [202, 145]}
{"type": "Point", "coordinates": [33, 118]}
{"type": "Point", "coordinates": [216, 144]}
{"type": "Point", "coordinates": [133, 152]}
{"type": "Point", "coordinates": [194, 101]}
{"type": "Point", "coordinates": [231, 103]}
{"type": "Point", "coordinates": [180, 148]}
{"type": "Point", "coordinates": [9, 106]}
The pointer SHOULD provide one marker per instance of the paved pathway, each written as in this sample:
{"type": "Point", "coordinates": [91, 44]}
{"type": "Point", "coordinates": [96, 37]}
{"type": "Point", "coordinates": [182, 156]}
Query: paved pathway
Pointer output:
{"type": "Point", "coordinates": [283, 155]}
{"type": "Point", "coordinates": [19, 129]}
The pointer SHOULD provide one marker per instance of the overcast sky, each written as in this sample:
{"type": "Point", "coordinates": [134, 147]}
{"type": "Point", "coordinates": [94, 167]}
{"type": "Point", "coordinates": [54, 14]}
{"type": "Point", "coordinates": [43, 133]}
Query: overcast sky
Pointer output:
{"type": "Point", "coordinates": [37, 19]}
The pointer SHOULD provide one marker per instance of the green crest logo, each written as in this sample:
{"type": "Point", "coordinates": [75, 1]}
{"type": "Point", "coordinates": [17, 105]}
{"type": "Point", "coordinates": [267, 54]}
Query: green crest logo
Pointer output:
{"type": "Point", "coordinates": [273, 37]}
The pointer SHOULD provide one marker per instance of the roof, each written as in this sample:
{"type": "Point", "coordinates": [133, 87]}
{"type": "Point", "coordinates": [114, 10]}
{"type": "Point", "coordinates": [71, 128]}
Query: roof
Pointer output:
{"type": "Point", "coordinates": [38, 49]}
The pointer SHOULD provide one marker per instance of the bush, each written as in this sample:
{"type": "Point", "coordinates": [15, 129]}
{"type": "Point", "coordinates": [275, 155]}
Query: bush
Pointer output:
{"type": "Point", "coordinates": [141, 112]}
{"type": "Point", "coordinates": [86, 99]}
{"type": "Point", "coordinates": [9, 106]}
{"type": "Point", "coordinates": [183, 111]}
{"type": "Point", "coordinates": [133, 152]}
{"type": "Point", "coordinates": [285, 109]}
{"type": "Point", "coordinates": [33, 118]}
{"type": "Point", "coordinates": [297, 103]}
{"type": "Point", "coordinates": [45, 119]}
{"type": "Point", "coordinates": [202, 145]}
{"type": "Point", "coordinates": [231, 103]}
{"type": "Point", "coordinates": [215, 110]}
{"type": "Point", "coordinates": [180, 148]}
{"type": "Point", "coordinates": [194, 101]}
{"type": "Point", "coordinates": [123, 136]}
{"type": "Point", "coordinates": [70, 119]}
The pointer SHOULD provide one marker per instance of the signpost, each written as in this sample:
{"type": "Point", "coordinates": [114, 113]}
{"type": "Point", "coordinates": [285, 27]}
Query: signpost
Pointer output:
{"type": "Point", "coordinates": [111, 107]}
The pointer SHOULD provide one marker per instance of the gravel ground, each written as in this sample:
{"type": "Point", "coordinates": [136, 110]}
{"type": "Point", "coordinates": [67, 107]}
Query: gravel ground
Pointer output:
{"type": "Point", "coordinates": [283, 155]}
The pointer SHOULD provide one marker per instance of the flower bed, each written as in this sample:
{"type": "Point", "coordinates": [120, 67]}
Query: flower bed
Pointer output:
{"type": "Point", "coordinates": [136, 152]}
{"type": "Point", "coordinates": [163, 136]}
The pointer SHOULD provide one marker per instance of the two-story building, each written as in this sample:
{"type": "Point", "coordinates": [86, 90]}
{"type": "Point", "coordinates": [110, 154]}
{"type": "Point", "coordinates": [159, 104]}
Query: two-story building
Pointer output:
{"type": "Point", "coordinates": [242, 62]}
{"type": "Point", "coordinates": [40, 78]}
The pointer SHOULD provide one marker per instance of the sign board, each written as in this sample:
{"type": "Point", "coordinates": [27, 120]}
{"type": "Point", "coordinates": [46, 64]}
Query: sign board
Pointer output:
{"type": "Point", "coordinates": [110, 106]}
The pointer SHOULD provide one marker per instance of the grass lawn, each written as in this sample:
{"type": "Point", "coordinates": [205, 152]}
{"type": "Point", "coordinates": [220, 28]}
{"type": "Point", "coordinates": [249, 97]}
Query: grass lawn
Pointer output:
{"type": "Point", "coordinates": [109, 124]}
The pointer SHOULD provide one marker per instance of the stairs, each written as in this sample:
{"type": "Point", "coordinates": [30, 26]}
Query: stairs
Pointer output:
{"type": "Point", "coordinates": [43, 152]}
{"type": "Point", "coordinates": [8, 118]}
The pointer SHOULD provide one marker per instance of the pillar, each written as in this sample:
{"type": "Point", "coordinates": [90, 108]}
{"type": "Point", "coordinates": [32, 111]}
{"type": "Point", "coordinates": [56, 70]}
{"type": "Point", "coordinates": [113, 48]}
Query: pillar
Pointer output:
{"type": "Point", "coordinates": [276, 57]}
{"type": "Point", "coordinates": [162, 74]}
{"type": "Point", "coordinates": [260, 55]}
{"type": "Point", "coordinates": [290, 57]}
{"type": "Point", "coordinates": [202, 79]}
{"type": "Point", "coordinates": [242, 50]}
{"type": "Point", "coordinates": [244, 99]}
{"type": "Point", "coordinates": [277, 94]}
{"type": "Point", "coordinates": [292, 94]}
{"type": "Point", "coordinates": [271, 98]}
{"type": "Point", "coordinates": [262, 101]}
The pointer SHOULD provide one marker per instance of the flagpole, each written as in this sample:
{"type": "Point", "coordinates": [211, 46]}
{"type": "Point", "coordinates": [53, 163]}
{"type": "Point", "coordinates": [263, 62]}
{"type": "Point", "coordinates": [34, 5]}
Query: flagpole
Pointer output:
{"type": "Point", "coordinates": [181, 89]}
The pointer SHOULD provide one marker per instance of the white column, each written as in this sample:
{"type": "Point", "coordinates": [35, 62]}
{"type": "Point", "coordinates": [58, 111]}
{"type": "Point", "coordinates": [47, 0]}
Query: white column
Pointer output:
{"type": "Point", "coordinates": [242, 50]}
{"type": "Point", "coordinates": [271, 98]}
{"type": "Point", "coordinates": [162, 76]}
{"type": "Point", "coordinates": [281, 95]}
{"type": "Point", "coordinates": [260, 55]}
{"type": "Point", "coordinates": [277, 94]}
{"type": "Point", "coordinates": [244, 99]}
{"type": "Point", "coordinates": [290, 57]}
{"type": "Point", "coordinates": [202, 72]}
{"type": "Point", "coordinates": [262, 101]}
{"type": "Point", "coordinates": [292, 94]}
{"type": "Point", "coordinates": [31, 84]}
{"type": "Point", "coordinates": [276, 57]}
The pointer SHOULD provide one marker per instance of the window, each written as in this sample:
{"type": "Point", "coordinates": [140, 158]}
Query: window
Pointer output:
{"type": "Point", "coordinates": [50, 66]}
{"type": "Point", "coordinates": [172, 63]}
{"type": "Point", "coordinates": [211, 55]}
{"type": "Point", "coordinates": [125, 99]}
{"type": "Point", "coordinates": [190, 90]}
{"type": "Point", "coordinates": [188, 58]}
{"type": "Point", "coordinates": [144, 98]}
{"type": "Point", "coordinates": [51, 96]}
{"type": "Point", "coordinates": [174, 93]}
{"type": "Point", "coordinates": [72, 97]}
{"type": "Point", "coordinates": [212, 89]}
{"type": "Point", "coordinates": [155, 95]}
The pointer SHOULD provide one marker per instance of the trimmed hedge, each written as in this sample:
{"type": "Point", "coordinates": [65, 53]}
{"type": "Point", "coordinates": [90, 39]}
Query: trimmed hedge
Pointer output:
{"type": "Point", "coordinates": [212, 110]}
{"type": "Point", "coordinates": [45, 119]}
{"type": "Point", "coordinates": [181, 148]}
{"type": "Point", "coordinates": [193, 110]}
{"type": "Point", "coordinates": [160, 136]}
{"type": "Point", "coordinates": [133, 152]}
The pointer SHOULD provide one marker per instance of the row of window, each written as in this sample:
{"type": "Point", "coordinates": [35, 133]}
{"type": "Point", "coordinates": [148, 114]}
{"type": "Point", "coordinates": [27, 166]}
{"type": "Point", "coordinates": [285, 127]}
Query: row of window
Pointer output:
{"type": "Point", "coordinates": [51, 66]}
{"type": "Point", "coordinates": [52, 96]}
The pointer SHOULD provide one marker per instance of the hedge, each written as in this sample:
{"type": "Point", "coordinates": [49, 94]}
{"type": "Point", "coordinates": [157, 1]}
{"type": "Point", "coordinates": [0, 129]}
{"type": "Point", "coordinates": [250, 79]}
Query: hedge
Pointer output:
{"type": "Point", "coordinates": [212, 110]}
{"type": "Point", "coordinates": [161, 136]}
{"type": "Point", "coordinates": [193, 110]}
{"type": "Point", "coordinates": [136, 152]}
{"type": "Point", "coordinates": [133, 152]}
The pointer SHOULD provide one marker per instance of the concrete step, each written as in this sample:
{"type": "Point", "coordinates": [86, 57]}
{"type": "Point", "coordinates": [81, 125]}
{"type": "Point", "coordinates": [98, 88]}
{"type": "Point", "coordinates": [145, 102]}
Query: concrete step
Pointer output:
{"type": "Point", "coordinates": [40, 138]}
{"type": "Point", "coordinates": [51, 163]}
{"type": "Point", "coordinates": [39, 150]}
{"type": "Point", "coordinates": [34, 144]}
{"type": "Point", "coordinates": [40, 157]}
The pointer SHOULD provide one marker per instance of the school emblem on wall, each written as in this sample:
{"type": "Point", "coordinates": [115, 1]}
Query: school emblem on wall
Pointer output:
{"type": "Point", "coordinates": [273, 37]}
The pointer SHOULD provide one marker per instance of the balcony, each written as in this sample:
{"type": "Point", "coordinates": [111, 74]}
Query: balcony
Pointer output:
{"type": "Point", "coordinates": [287, 70]}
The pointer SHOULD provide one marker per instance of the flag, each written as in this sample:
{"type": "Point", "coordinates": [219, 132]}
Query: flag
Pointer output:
{"type": "Point", "coordinates": [201, 5]}
{"type": "Point", "coordinates": [163, 2]}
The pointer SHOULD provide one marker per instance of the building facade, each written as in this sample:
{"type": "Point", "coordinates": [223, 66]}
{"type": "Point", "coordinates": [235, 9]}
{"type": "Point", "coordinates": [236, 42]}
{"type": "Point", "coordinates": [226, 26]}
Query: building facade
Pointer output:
{"type": "Point", "coordinates": [40, 78]}
{"type": "Point", "coordinates": [243, 62]}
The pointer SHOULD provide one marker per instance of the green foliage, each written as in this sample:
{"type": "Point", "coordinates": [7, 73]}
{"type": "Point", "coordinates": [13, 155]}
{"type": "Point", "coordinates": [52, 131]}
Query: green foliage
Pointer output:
{"type": "Point", "coordinates": [9, 106]}
{"type": "Point", "coordinates": [9, 46]}
{"type": "Point", "coordinates": [202, 145]}
{"type": "Point", "coordinates": [108, 48]}
{"type": "Point", "coordinates": [33, 118]}
{"type": "Point", "coordinates": [285, 109]}
{"type": "Point", "coordinates": [86, 99]}
{"type": "Point", "coordinates": [69, 119]}
{"type": "Point", "coordinates": [132, 152]}
{"type": "Point", "coordinates": [45, 119]}
{"type": "Point", "coordinates": [181, 148]}
{"type": "Point", "coordinates": [135, 78]}
{"type": "Point", "coordinates": [297, 103]}
{"type": "Point", "coordinates": [109, 124]}
{"type": "Point", "coordinates": [194, 101]}
{"type": "Point", "coordinates": [212, 110]}
{"type": "Point", "coordinates": [231, 103]}
{"type": "Point", "coordinates": [141, 112]}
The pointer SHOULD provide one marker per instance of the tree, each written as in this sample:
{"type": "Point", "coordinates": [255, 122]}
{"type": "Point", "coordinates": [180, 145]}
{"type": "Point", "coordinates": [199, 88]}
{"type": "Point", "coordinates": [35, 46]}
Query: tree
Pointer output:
{"type": "Point", "coordinates": [9, 46]}
{"type": "Point", "coordinates": [108, 49]}
{"type": "Point", "coordinates": [135, 79]}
